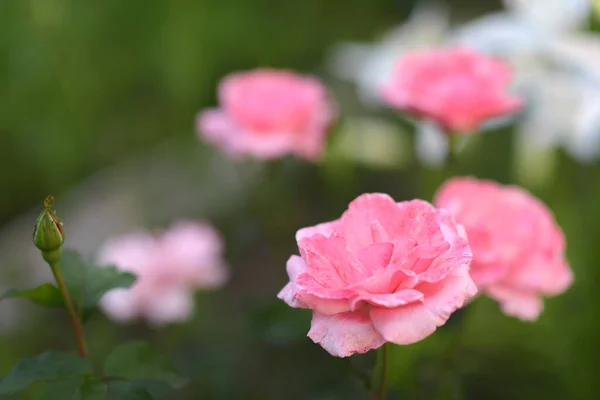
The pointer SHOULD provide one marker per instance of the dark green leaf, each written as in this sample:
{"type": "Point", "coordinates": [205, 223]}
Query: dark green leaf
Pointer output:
{"type": "Point", "coordinates": [123, 390]}
{"type": "Point", "coordinates": [46, 295]}
{"type": "Point", "coordinates": [158, 390]}
{"type": "Point", "coordinates": [64, 390]}
{"type": "Point", "coordinates": [87, 283]}
{"type": "Point", "coordinates": [92, 389]}
{"type": "Point", "coordinates": [140, 361]}
{"type": "Point", "coordinates": [49, 366]}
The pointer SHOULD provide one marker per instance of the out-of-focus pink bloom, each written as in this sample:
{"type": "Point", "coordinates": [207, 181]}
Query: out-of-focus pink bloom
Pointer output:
{"type": "Point", "coordinates": [169, 268]}
{"type": "Point", "coordinates": [518, 249]}
{"type": "Point", "coordinates": [268, 113]}
{"type": "Point", "coordinates": [457, 88]}
{"type": "Point", "coordinates": [384, 271]}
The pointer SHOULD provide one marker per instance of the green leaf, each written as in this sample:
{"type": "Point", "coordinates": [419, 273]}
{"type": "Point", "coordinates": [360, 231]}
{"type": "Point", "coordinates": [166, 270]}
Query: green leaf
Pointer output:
{"type": "Point", "coordinates": [49, 366]}
{"type": "Point", "coordinates": [92, 389]}
{"type": "Point", "coordinates": [87, 283]}
{"type": "Point", "coordinates": [140, 361]}
{"type": "Point", "coordinates": [64, 390]}
{"type": "Point", "coordinates": [46, 295]}
{"type": "Point", "coordinates": [123, 390]}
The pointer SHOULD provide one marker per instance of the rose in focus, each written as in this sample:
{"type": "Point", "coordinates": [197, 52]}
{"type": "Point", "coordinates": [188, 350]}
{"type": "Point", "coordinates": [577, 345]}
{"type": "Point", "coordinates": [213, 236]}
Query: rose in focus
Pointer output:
{"type": "Point", "coordinates": [384, 271]}
{"type": "Point", "coordinates": [169, 267]}
{"type": "Point", "coordinates": [267, 114]}
{"type": "Point", "coordinates": [518, 249]}
{"type": "Point", "coordinates": [457, 88]}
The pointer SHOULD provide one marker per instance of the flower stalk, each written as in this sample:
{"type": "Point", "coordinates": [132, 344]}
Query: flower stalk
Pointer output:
{"type": "Point", "coordinates": [48, 236]}
{"type": "Point", "coordinates": [77, 327]}
{"type": "Point", "coordinates": [383, 385]}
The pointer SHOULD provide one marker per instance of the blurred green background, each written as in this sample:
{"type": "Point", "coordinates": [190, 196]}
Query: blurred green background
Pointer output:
{"type": "Point", "coordinates": [97, 106]}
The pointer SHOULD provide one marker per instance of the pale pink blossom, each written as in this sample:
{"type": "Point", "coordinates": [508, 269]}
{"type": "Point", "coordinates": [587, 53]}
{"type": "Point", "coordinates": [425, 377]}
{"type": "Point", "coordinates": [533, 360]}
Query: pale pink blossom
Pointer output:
{"type": "Point", "coordinates": [457, 88]}
{"type": "Point", "coordinates": [169, 266]}
{"type": "Point", "coordinates": [384, 271]}
{"type": "Point", "coordinates": [518, 249]}
{"type": "Point", "coordinates": [267, 113]}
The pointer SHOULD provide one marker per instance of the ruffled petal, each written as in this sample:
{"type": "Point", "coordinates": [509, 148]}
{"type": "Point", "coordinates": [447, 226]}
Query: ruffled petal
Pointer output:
{"type": "Point", "coordinates": [413, 322]}
{"type": "Point", "coordinates": [550, 277]}
{"type": "Point", "coordinates": [407, 324]}
{"type": "Point", "coordinates": [361, 216]}
{"type": "Point", "coordinates": [443, 298]}
{"type": "Point", "coordinates": [295, 266]}
{"type": "Point", "coordinates": [308, 293]}
{"type": "Point", "coordinates": [387, 300]}
{"type": "Point", "coordinates": [327, 261]}
{"type": "Point", "coordinates": [457, 254]}
{"type": "Point", "coordinates": [375, 257]}
{"type": "Point", "coordinates": [326, 229]}
{"type": "Point", "coordinates": [524, 305]}
{"type": "Point", "coordinates": [344, 334]}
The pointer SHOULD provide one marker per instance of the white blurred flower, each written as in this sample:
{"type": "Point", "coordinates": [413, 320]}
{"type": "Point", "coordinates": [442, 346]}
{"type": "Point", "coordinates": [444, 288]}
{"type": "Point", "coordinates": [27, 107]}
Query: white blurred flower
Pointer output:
{"type": "Point", "coordinates": [552, 15]}
{"type": "Point", "coordinates": [556, 67]}
{"type": "Point", "coordinates": [169, 268]}
{"type": "Point", "coordinates": [368, 65]}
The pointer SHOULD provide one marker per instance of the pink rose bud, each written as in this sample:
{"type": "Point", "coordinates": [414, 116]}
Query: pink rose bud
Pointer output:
{"type": "Point", "coordinates": [169, 267]}
{"type": "Point", "coordinates": [457, 88]}
{"type": "Point", "coordinates": [268, 113]}
{"type": "Point", "coordinates": [518, 249]}
{"type": "Point", "coordinates": [384, 271]}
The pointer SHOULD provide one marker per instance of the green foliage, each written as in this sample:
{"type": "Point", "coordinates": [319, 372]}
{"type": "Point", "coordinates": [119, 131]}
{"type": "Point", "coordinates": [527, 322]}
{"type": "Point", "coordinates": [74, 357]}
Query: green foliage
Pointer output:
{"type": "Point", "coordinates": [66, 389]}
{"type": "Point", "coordinates": [131, 372]}
{"type": "Point", "coordinates": [93, 388]}
{"type": "Point", "coordinates": [139, 360]}
{"type": "Point", "coordinates": [96, 389]}
{"type": "Point", "coordinates": [119, 390]}
{"type": "Point", "coordinates": [49, 366]}
{"type": "Point", "coordinates": [46, 295]}
{"type": "Point", "coordinates": [87, 283]}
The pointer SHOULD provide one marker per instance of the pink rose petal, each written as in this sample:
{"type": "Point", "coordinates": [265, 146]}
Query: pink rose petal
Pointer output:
{"type": "Point", "coordinates": [458, 88]}
{"type": "Point", "coordinates": [518, 249]}
{"type": "Point", "coordinates": [268, 113]}
{"type": "Point", "coordinates": [344, 334]}
{"type": "Point", "coordinates": [383, 270]}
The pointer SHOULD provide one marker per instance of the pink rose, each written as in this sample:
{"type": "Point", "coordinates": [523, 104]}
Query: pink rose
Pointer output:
{"type": "Point", "coordinates": [169, 268]}
{"type": "Point", "coordinates": [458, 88]}
{"type": "Point", "coordinates": [267, 113]}
{"type": "Point", "coordinates": [518, 249]}
{"type": "Point", "coordinates": [384, 271]}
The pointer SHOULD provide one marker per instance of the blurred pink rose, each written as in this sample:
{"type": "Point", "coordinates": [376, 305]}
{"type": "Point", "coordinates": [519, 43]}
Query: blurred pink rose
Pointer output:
{"type": "Point", "coordinates": [169, 268]}
{"type": "Point", "coordinates": [458, 88]}
{"type": "Point", "coordinates": [518, 249]}
{"type": "Point", "coordinates": [384, 271]}
{"type": "Point", "coordinates": [268, 113]}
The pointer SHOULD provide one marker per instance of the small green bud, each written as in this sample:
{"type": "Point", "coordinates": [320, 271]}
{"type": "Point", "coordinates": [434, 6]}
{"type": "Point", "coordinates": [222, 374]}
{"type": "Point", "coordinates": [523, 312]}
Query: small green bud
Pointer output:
{"type": "Point", "coordinates": [48, 235]}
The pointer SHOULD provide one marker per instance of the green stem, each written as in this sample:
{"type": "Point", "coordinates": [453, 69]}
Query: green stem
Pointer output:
{"type": "Point", "coordinates": [453, 144]}
{"type": "Point", "coordinates": [77, 328]}
{"type": "Point", "coordinates": [385, 356]}
{"type": "Point", "coordinates": [450, 360]}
